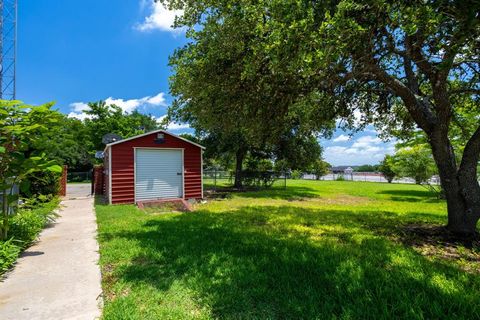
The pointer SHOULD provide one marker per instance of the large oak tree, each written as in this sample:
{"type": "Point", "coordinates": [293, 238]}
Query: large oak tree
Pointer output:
{"type": "Point", "coordinates": [403, 65]}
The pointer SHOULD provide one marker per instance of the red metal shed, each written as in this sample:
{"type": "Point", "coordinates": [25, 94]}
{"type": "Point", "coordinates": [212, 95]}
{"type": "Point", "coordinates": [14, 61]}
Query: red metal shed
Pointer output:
{"type": "Point", "coordinates": [156, 165]}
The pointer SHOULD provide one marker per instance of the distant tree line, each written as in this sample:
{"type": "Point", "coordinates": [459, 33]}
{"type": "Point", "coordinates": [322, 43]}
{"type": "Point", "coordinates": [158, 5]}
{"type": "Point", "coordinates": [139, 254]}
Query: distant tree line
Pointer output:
{"type": "Point", "coordinates": [74, 142]}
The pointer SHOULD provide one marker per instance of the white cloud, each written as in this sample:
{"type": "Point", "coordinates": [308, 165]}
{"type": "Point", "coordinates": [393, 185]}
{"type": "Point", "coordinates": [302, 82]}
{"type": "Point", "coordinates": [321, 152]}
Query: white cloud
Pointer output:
{"type": "Point", "coordinates": [364, 150]}
{"type": "Point", "coordinates": [79, 106]}
{"type": "Point", "coordinates": [80, 116]}
{"type": "Point", "coordinates": [158, 100]}
{"type": "Point", "coordinates": [173, 125]}
{"type": "Point", "coordinates": [366, 142]}
{"type": "Point", "coordinates": [160, 18]}
{"type": "Point", "coordinates": [130, 105]}
{"type": "Point", "coordinates": [341, 138]}
{"type": "Point", "coordinates": [178, 126]}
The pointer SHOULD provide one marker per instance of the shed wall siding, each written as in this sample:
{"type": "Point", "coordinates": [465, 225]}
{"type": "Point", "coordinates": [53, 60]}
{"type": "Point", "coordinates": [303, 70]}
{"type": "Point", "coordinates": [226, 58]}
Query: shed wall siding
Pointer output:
{"type": "Point", "coordinates": [123, 176]}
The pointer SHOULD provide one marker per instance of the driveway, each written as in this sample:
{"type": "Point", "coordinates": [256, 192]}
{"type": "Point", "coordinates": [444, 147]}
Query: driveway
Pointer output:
{"type": "Point", "coordinates": [58, 277]}
{"type": "Point", "coordinates": [78, 190]}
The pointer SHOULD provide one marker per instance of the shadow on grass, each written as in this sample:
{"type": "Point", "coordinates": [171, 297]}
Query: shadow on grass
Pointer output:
{"type": "Point", "coordinates": [411, 195]}
{"type": "Point", "coordinates": [294, 263]}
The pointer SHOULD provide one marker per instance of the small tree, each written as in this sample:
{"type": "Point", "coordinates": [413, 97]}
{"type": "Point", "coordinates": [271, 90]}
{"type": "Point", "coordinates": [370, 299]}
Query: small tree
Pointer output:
{"type": "Point", "coordinates": [320, 168]}
{"type": "Point", "coordinates": [21, 126]}
{"type": "Point", "coordinates": [386, 168]}
{"type": "Point", "coordinates": [416, 163]}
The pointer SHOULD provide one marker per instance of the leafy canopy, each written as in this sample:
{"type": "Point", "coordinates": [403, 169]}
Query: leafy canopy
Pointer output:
{"type": "Point", "coordinates": [22, 126]}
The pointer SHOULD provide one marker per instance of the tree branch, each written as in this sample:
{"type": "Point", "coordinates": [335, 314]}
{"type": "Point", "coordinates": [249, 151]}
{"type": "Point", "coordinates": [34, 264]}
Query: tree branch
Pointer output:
{"type": "Point", "coordinates": [418, 109]}
{"type": "Point", "coordinates": [412, 80]}
{"type": "Point", "coordinates": [414, 45]}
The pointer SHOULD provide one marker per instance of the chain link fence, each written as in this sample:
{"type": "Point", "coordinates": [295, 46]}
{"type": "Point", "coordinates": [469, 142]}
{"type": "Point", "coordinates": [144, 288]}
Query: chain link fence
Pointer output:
{"type": "Point", "coordinates": [79, 177]}
{"type": "Point", "coordinates": [218, 179]}
{"type": "Point", "coordinates": [221, 179]}
{"type": "Point", "coordinates": [364, 176]}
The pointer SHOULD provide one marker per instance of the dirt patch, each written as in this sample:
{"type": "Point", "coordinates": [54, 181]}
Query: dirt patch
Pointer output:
{"type": "Point", "coordinates": [165, 207]}
{"type": "Point", "coordinates": [437, 242]}
{"type": "Point", "coordinates": [109, 279]}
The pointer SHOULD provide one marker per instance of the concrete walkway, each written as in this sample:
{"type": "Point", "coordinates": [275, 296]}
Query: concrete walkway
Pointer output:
{"type": "Point", "coordinates": [59, 277]}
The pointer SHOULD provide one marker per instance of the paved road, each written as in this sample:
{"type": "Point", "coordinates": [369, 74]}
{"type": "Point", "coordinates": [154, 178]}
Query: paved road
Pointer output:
{"type": "Point", "coordinates": [59, 277]}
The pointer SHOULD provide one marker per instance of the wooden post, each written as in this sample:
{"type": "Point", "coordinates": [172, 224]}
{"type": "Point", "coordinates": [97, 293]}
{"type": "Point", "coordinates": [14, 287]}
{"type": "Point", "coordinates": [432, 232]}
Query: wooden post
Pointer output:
{"type": "Point", "coordinates": [63, 182]}
{"type": "Point", "coordinates": [98, 185]}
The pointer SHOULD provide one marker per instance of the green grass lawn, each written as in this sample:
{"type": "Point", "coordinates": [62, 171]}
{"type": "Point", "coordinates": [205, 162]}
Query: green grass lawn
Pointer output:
{"type": "Point", "coordinates": [318, 250]}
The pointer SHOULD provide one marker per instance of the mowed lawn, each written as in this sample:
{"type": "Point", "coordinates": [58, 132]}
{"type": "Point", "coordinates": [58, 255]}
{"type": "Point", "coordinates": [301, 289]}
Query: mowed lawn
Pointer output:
{"type": "Point", "coordinates": [317, 250]}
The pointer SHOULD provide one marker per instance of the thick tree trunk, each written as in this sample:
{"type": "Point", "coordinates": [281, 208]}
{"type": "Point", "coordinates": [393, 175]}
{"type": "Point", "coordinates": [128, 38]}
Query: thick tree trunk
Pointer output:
{"type": "Point", "coordinates": [462, 190]}
{"type": "Point", "coordinates": [240, 155]}
{"type": "Point", "coordinates": [463, 211]}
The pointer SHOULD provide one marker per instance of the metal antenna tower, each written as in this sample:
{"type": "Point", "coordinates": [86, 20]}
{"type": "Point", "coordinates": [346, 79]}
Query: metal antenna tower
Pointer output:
{"type": "Point", "coordinates": [8, 48]}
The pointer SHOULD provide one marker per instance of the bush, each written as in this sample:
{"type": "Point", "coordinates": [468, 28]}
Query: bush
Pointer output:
{"type": "Point", "coordinates": [296, 174]}
{"type": "Point", "coordinates": [9, 251]}
{"type": "Point", "coordinates": [386, 168]}
{"type": "Point", "coordinates": [24, 228]}
{"type": "Point", "coordinates": [414, 162]}
{"type": "Point", "coordinates": [340, 177]}
{"type": "Point", "coordinates": [320, 168]}
{"type": "Point", "coordinates": [44, 183]}
{"type": "Point", "coordinates": [259, 178]}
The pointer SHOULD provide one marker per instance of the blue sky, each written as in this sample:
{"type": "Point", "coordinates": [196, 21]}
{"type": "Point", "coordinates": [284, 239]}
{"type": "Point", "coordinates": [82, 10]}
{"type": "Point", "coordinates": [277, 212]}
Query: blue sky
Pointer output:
{"type": "Point", "coordinates": [74, 52]}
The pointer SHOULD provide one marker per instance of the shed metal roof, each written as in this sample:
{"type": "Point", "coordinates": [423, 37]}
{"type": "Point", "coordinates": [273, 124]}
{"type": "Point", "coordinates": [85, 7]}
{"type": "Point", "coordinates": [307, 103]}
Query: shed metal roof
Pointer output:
{"type": "Point", "coordinates": [153, 132]}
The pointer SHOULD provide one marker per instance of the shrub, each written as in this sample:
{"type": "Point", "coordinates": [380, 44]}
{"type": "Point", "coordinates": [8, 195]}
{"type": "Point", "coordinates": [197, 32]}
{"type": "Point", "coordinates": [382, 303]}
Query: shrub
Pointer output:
{"type": "Point", "coordinates": [259, 178]}
{"type": "Point", "coordinates": [340, 177]}
{"type": "Point", "coordinates": [320, 168]}
{"type": "Point", "coordinates": [296, 174]}
{"type": "Point", "coordinates": [386, 168]}
{"type": "Point", "coordinates": [9, 251]}
{"type": "Point", "coordinates": [44, 183]}
{"type": "Point", "coordinates": [414, 162]}
{"type": "Point", "coordinates": [24, 228]}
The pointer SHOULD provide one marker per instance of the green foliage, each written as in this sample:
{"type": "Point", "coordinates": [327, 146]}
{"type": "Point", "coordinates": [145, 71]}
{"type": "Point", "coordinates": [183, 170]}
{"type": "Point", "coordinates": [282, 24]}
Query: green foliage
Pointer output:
{"type": "Point", "coordinates": [296, 174]}
{"type": "Point", "coordinates": [21, 127]}
{"type": "Point", "coordinates": [220, 97]}
{"type": "Point", "coordinates": [44, 183]}
{"type": "Point", "coordinates": [298, 151]}
{"type": "Point", "coordinates": [330, 250]}
{"type": "Point", "coordinates": [271, 66]}
{"type": "Point", "coordinates": [414, 162]}
{"type": "Point", "coordinates": [340, 177]}
{"type": "Point", "coordinates": [68, 144]}
{"type": "Point", "coordinates": [281, 165]}
{"type": "Point", "coordinates": [386, 168]}
{"type": "Point", "coordinates": [255, 164]}
{"type": "Point", "coordinates": [9, 252]}
{"type": "Point", "coordinates": [24, 228]}
{"type": "Point", "coordinates": [74, 142]}
{"type": "Point", "coordinates": [259, 179]}
{"type": "Point", "coordinates": [111, 119]}
{"type": "Point", "coordinates": [320, 168]}
{"type": "Point", "coordinates": [191, 137]}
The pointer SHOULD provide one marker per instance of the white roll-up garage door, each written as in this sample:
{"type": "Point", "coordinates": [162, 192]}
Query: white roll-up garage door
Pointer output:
{"type": "Point", "coordinates": [158, 174]}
